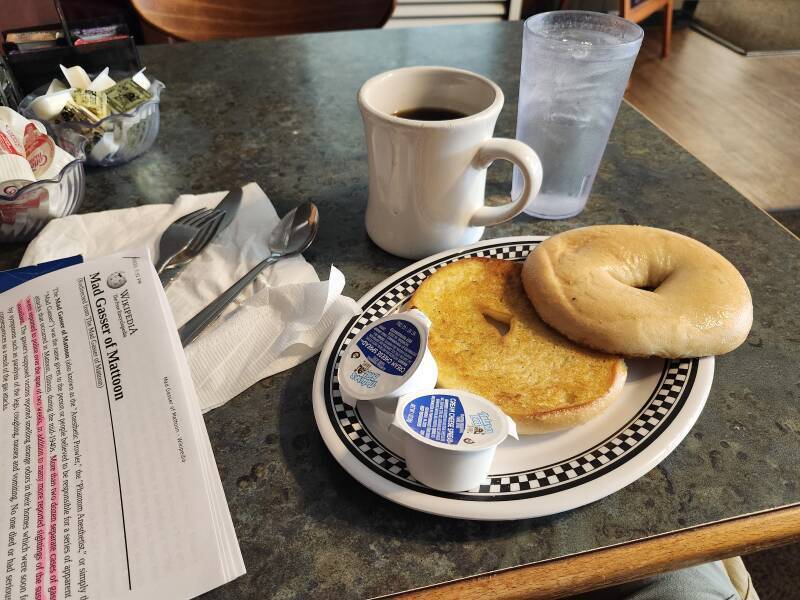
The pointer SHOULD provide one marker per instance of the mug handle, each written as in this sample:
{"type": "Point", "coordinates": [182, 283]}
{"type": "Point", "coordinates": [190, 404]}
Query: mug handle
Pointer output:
{"type": "Point", "coordinates": [529, 165]}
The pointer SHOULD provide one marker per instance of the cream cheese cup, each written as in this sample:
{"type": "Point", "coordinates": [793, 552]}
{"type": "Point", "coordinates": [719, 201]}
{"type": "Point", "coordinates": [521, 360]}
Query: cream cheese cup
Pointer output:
{"type": "Point", "coordinates": [389, 358]}
{"type": "Point", "coordinates": [450, 437]}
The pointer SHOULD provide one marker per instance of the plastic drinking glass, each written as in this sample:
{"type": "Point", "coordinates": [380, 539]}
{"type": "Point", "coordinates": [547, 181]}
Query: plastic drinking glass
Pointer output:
{"type": "Point", "coordinates": [575, 66]}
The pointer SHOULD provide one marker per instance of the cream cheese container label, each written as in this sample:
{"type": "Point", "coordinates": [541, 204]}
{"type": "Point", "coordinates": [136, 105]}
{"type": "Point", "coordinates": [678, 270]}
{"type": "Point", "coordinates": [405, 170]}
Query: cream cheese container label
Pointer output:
{"type": "Point", "coordinates": [450, 437]}
{"type": "Point", "coordinates": [389, 358]}
{"type": "Point", "coordinates": [442, 417]}
{"type": "Point", "coordinates": [437, 417]}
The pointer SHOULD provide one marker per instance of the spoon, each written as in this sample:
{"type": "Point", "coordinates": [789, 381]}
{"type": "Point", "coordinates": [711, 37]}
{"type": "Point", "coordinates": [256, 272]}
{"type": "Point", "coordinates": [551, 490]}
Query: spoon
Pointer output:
{"type": "Point", "coordinates": [291, 236]}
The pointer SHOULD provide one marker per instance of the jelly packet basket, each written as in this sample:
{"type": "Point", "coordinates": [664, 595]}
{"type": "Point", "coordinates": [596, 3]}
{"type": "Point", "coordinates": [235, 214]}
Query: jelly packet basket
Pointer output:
{"type": "Point", "coordinates": [115, 139]}
{"type": "Point", "coordinates": [26, 210]}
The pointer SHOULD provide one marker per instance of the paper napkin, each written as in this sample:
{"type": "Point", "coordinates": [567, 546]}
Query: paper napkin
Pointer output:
{"type": "Point", "coordinates": [276, 323]}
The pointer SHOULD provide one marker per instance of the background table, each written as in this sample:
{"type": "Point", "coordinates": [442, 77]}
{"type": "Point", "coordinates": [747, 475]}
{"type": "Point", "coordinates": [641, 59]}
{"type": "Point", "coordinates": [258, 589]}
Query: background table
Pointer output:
{"type": "Point", "coordinates": [282, 112]}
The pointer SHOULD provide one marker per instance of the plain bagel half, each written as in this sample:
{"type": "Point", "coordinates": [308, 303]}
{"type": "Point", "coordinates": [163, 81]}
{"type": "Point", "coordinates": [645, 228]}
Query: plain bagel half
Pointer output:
{"type": "Point", "coordinates": [638, 291]}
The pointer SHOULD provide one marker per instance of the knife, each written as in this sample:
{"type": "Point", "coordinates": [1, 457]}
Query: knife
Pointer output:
{"type": "Point", "coordinates": [230, 206]}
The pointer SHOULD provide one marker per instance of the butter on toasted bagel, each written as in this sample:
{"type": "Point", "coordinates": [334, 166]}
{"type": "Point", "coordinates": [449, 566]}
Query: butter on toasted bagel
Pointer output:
{"type": "Point", "coordinates": [535, 375]}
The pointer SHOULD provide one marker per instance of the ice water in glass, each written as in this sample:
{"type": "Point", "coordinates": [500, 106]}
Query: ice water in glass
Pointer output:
{"type": "Point", "coordinates": [575, 66]}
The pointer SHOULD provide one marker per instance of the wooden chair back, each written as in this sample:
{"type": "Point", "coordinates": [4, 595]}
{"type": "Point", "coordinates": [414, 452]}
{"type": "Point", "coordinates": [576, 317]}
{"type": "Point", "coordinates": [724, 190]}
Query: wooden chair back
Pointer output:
{"type": "Point", "coordinates": [639, 11]}
{"type": "Point", "coordinates": [223, 19]}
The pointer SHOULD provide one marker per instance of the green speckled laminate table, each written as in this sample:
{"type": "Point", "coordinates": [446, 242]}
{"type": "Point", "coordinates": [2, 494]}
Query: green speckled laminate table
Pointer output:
{"type": "Point", "coordinates": [282, 112]}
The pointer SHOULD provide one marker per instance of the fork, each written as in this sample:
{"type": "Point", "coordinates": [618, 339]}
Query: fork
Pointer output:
{"type": "Point", "coordinates": [196, 245]}
{"type": "Point", "coordinates": [179, 235]}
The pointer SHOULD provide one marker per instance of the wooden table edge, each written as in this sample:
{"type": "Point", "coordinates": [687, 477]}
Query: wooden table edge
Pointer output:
{"type": "Point", "coordinates": [629, 561]}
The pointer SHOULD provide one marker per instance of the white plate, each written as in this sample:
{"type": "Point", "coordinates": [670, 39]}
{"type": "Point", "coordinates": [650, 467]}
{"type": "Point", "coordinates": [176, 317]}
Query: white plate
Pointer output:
{"type": "Point", "coordinates": [537, 475]}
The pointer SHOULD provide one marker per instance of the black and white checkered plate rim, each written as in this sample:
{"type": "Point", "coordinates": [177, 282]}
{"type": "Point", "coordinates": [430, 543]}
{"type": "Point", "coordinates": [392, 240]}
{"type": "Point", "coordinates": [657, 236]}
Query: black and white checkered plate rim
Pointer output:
{"type": "Point", "coordinates": [653, 417]}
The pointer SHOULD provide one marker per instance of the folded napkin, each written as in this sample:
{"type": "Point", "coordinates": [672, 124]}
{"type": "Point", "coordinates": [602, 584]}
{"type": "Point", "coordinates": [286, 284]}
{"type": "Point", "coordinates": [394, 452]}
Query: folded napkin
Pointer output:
{"type": "Point", "coordinates": [277, 323]}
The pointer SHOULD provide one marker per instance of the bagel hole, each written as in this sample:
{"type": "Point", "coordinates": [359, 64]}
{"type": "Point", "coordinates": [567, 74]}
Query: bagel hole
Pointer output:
{"type": "Point", "coordinates": [502, 327]}
{"type": "Point", "coordinates": [647, 282]}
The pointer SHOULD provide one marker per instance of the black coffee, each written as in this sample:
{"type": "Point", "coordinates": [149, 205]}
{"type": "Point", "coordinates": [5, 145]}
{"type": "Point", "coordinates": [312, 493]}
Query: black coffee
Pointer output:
{"type": "Point", "coordinates": [428, 113]}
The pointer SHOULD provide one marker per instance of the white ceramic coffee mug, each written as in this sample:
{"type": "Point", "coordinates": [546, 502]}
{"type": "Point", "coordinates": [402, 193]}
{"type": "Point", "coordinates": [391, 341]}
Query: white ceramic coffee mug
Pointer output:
{"type": "Point", "coordinates": [427, 179]}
